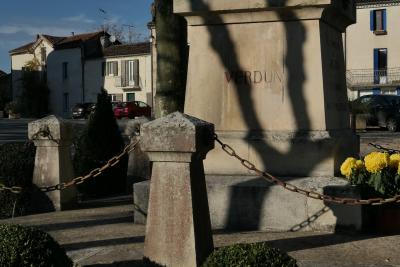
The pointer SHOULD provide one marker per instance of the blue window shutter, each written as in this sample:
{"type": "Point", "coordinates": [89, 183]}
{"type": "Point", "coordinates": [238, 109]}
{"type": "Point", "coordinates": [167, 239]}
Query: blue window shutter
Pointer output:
{"type": "Point", "coordinates": [384, 19]}
{"type": "Point", "coordinates": [376, 91]}
{"type": "Point", "coordinates": [376, 65]}
{"type": "Point", "coordinates": [372, 20]}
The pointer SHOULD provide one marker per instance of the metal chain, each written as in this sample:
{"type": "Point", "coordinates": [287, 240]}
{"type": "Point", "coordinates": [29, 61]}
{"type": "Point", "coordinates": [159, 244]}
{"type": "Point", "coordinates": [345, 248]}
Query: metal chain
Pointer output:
{"type": "Point", "coordinates": [81, 179]}
{"type": "Point", "coordinates": [388, 150]}
{"type": "Point", "coordinates": [310, 194]}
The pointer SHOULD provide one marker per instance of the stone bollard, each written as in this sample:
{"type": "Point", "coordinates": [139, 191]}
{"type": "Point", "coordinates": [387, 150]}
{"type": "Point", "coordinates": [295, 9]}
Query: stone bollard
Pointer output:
{"type": "Point", "coordinates": [178, 231]}
{"type": "Point", "coordinates": [138, 164]}
{"type": "Point", "coordinates": [52, 137]}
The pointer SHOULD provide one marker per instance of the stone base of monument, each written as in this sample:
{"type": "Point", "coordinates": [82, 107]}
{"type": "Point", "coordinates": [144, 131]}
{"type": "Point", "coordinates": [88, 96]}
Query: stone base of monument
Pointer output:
{"type": "Point", "coordinates": [251, 203]}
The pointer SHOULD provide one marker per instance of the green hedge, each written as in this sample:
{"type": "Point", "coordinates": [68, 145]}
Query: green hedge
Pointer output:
{"type": "Point", "coordinates": [28, 246]}
{"type": "Point", "coordinates": [17, 161]}
{"type": "Point", "coordinates": [249, 255]}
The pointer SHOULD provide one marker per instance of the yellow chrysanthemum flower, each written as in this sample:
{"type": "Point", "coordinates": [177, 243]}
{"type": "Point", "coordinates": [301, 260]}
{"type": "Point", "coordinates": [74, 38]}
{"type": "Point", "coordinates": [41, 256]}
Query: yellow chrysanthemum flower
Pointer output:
{"type": "Point", "coordinates": [360, 164]}
{"type": "Point", "coordinates": [376, 161]}
{"type": "Point", "coordinates": [394, 161]}
{"type": "Point", "coordinates": [347, 166]}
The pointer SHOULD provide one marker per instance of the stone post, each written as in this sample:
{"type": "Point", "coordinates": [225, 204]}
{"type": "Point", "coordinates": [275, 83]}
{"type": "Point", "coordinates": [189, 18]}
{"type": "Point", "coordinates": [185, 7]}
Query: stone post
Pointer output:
{"type": "Point", "coordinates": [53, 163]}
{"type": "Point", "coordinates": [178, 231]}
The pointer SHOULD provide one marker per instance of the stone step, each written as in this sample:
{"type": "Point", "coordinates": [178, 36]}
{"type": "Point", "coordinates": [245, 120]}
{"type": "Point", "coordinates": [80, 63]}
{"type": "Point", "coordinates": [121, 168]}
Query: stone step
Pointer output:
{"type": "Point", "coordinates": [251, 203]}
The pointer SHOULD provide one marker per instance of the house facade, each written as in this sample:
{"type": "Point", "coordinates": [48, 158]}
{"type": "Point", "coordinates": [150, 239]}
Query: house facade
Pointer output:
{"type": "Point", "coordinates": [124, 71]}
{"type": "Point", "coordinates": [38, 51]}
{"type": "Point", "coordinates": [78, 67]}
{"type": "Point", "coordinates": [373, 49]}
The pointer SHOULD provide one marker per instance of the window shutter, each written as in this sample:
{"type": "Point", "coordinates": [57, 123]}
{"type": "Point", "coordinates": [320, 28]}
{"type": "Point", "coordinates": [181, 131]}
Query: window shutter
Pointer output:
{"type": "Point", "coordinates": [115, 68]}
{"type": "Point", "coordinates": [376, 65]}
{"type": "Point", "coordinates": [384, 19]}
{"type": "Point", "coordinates": [103, 69]}
{"type": "Point", "coordinates": [136, 72]}
{"type": "Point", "coordinates": [372, 20]}
{"type": "Point", "coordinates": [124, 71]}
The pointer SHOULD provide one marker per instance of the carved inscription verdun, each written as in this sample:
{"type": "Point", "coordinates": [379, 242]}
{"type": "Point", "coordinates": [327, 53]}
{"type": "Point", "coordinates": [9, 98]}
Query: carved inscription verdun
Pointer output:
{"type": "Point", "coordinates": [253, 77]}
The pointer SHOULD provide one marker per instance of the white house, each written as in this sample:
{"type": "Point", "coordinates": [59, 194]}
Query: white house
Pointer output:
{"type": "Point", "coordinates": [39, 50]}
{"type": "Point", "coordinates": [77, 67]}
{"type": "Point", "coordinates": [373, 49]}
{"type": "Point", "coordinates": [124, 72]}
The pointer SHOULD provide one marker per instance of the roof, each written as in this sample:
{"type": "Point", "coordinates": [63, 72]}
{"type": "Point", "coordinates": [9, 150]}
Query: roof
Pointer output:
{"type": "Point", "coordinates": [127, 49]}
{"type": "Point", "coordinates": [59, 42]}
{"type": "Point", "coordinates": [74, 40]}
{"type": "Point", "coordinates": [22, 49]}
{"type": "Point", "coordinates": [53, 39]}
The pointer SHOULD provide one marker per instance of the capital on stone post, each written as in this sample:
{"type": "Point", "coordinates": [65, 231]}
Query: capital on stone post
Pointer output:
{"type": "Point", "coordinates": [178, 230]}
{"type": "Point", "coordinates": [52, 137]}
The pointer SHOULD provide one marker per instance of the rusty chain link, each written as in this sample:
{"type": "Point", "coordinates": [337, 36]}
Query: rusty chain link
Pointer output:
{"type": "Point", "coordinates": [388, 150]}
{"type": "Point", "coordinates": [78, 180]}
{"type": "Point", "coordinates": [310, 194]}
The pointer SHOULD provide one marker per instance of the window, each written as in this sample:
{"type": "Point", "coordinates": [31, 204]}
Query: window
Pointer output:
{"type": "Point", "coordinates": [130, 97]}
{"type": "Point", "coordinates": [133, 73]}
{"type": "Point", "coordinates": [380, 65]}
{"type": "Point", "coordinates": [130, 73]}
{"type": "Point", "coordinates": [65, 70]}
{"type": "Point", "coordinates": [43, 54]}
{"type": "Point", "coordinates": [378, 21]}
{"type": "Point", "coordinates": [116, 97]}
{"type": "Point", "coordinates": [65, 102]}
{"type": "Point", "coordinates": [112, 68]}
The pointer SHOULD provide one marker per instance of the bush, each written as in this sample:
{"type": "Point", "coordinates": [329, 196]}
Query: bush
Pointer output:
{"type": "Point", "coordinates": [17, 161]}
{"type": "Point", "coordinates": [256, 254]}
{"type": "Point", "coordinates": [13, 107]}
{"type": "Point", "coordinates": [99, 142]}
{"type": "Point", "coordinates": [28, 246]}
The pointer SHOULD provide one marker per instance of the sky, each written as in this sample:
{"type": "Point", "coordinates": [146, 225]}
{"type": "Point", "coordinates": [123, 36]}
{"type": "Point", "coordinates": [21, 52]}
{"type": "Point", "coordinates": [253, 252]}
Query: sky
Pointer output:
{"type": "Point", "coordinates": [22, 20]}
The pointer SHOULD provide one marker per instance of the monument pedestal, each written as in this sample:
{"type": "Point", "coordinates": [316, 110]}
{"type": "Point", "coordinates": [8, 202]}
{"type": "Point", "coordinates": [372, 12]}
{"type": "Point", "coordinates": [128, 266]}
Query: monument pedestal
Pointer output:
{"type": "Point", "coordinates": [270, 75]}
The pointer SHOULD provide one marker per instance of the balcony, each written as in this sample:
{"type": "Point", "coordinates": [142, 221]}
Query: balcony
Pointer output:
{"type": "Point", "coordinates": [370, 78]}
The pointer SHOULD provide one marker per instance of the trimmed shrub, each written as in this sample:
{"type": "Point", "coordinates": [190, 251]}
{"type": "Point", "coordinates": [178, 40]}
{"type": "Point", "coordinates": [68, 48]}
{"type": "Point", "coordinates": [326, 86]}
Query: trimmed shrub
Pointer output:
{"type": "Point", "coordinates": [99, 142]}
{"type": "Point", "coordinates": [255, 254]}
{"type": "Point", "coordinates": [17, 161]}
{"type": "Point", "coordinates": [29, 246]}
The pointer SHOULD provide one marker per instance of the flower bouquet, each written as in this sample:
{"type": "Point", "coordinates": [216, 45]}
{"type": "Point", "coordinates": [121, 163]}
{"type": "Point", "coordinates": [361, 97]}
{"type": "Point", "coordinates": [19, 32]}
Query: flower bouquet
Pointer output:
{"type": "Point", "coordinates": [377, 176]}
{"type": "Point", "coordinates": [377, 171]}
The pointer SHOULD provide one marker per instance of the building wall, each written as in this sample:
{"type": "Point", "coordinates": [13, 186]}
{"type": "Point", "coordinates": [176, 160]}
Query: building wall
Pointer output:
{"type": "Point", "coordinates": [18, 62]}
{"type": "Point", "coordinates": [60, 87]}
{"type": "Point", "coordinates": [94, 80]}
{"type": "Point", "coordinates": [361, 41]}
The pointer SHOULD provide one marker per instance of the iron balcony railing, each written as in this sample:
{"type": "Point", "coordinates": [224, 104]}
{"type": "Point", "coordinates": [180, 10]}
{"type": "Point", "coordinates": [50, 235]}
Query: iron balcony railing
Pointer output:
{"type": "Point", "coordinates": [372, 78]}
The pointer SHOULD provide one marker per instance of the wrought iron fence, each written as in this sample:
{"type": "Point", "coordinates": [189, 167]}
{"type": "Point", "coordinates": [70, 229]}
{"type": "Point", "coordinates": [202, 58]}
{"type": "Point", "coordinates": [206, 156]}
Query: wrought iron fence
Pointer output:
{"type": "Point", "coordinates": [371, 77]}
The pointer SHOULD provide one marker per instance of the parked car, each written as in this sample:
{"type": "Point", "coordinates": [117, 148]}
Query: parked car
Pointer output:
{"type": "Point", "coordinates": [132, 109]}
{"type": "Point", "coordinates": [83, 110]}
{"type": "Point", "coordinates": [379, 110]}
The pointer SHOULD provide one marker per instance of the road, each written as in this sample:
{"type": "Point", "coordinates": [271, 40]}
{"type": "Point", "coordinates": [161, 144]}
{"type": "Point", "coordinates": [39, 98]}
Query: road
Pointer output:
{"type": "Point", "coordinates": [17, 131]}
{"type": "Point", "coordinates": [13, 130]}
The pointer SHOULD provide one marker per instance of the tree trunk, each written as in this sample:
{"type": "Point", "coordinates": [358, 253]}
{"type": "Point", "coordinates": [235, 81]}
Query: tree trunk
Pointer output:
{"type": "Point", "coordinates": [172, 58]}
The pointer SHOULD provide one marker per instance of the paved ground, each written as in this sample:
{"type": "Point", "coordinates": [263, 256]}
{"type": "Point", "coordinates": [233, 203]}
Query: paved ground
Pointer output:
{"type": "Point", "coordinates": [108, 237]}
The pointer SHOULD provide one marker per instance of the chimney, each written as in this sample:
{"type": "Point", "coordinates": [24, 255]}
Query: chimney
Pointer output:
{"type": "Point", "coordinates": [105, 41]}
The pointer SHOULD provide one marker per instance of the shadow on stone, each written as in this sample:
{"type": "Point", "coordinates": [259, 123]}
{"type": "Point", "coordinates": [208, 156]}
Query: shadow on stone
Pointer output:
{"type": "Point", "coordinates": [104, 243]}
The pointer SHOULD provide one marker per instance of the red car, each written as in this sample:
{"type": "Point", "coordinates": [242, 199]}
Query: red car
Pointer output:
{"type": "Point", "coordinates": [131, 109]}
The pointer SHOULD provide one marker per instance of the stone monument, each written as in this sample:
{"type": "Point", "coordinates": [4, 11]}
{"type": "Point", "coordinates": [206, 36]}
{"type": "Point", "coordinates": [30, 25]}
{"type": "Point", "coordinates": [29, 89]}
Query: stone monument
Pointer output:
{"type": "Point", "coordinates": [270, 75]}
